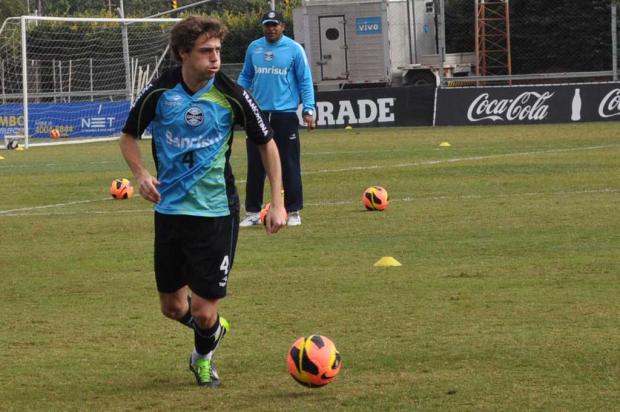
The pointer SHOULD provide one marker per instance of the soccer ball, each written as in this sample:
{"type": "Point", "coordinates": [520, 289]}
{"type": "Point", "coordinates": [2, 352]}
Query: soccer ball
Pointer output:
{"type": "Point", "coordinates": [121, 189]}
{"type": "Point", "coordinates": [263, 213]}
{"type": "Point", "coordinates": [376, 198]}
{"type": "Point", "coordinates": [313, 361]}
{"type": "Point", "coordinates": [54, 133]}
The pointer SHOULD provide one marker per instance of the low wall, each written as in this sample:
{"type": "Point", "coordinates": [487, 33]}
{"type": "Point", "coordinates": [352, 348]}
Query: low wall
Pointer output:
{"type": "Point", "coordinates": [396, 106]}
{"type": "Point", "coordinates": [528, 104]}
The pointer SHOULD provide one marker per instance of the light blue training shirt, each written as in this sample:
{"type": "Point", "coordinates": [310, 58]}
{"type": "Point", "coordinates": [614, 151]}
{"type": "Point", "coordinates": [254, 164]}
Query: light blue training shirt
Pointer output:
{"type": "Point", "coordinates": [282, 70]}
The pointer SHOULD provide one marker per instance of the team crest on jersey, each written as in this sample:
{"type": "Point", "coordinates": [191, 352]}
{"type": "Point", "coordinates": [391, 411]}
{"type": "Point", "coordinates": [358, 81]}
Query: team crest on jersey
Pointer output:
{"type": "Point", "coordinates": [194, 116]}
{"type": "Point", "coordinates": [268, 56]}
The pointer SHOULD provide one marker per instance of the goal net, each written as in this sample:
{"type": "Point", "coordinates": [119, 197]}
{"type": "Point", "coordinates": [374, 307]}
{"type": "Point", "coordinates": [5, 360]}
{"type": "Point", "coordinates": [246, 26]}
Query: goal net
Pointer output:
{"type": "Point", "coordinates": [76, 77]}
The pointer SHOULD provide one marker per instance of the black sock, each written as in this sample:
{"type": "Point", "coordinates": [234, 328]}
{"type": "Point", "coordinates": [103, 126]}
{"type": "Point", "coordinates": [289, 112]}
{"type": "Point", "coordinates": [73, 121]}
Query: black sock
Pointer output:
{"type": "Point", "coordinates": [206, 340]}
{"type": "Point", "coordinates": [188, 319]}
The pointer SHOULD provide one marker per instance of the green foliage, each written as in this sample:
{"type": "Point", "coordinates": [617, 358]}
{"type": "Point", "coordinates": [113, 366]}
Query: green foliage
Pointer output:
{"type": "Point", "coordinates": [507, 298]}
{"type": "Point", "coordinates": [11, 9]}
{"type": "Point", "coordinates": [546, 36]}
{"type": "Point", "coordinates": [243, 29]}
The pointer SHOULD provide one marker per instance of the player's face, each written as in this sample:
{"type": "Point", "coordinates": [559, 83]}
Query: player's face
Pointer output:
{"type": "Point", "coordinates": [273, 32]}
{"type": "Point", "coordinates": [203, 60]}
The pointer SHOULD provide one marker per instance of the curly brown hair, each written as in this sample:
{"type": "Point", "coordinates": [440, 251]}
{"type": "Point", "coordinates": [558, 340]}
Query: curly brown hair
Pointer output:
{"type": "Point", "coordinates": [184, 33]}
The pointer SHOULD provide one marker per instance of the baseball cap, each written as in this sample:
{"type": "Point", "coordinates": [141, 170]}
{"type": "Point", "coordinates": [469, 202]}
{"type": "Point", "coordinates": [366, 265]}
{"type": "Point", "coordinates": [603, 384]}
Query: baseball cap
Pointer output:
{"type": "Point", "coordinates": [273, 17]}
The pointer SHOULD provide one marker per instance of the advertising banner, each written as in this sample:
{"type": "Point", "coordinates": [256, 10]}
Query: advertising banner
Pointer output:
{"type": "Point", "coordinates": [528, 104]}
{"type": "Point", "coordinates": [391, 106]}
{"type": "Point", "coordinates": [84, 119]}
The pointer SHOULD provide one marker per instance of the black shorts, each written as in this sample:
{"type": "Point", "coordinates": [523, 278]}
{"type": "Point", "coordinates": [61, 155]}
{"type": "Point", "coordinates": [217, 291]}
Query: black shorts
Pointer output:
{"type": "Point", "coordinates": [195, 251]}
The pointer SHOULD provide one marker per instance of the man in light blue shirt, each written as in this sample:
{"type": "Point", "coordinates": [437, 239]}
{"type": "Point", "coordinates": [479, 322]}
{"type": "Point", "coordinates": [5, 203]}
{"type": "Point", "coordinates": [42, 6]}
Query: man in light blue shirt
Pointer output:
{"type": "Point", "coordinates": [277, 73]}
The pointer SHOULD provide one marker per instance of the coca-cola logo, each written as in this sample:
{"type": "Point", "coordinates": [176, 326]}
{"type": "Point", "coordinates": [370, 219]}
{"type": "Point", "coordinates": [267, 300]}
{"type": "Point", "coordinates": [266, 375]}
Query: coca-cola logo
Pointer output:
{"type": "Point", "coordinates": [526, 106]}
{"type": "Point", "coordinates": [610, 105]}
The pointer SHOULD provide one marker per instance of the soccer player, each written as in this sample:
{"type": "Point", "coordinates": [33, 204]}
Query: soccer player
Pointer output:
{"type": "Point", "coordinates": [192, 110]}
{"type": "Point", "coordinates": [277, 73]}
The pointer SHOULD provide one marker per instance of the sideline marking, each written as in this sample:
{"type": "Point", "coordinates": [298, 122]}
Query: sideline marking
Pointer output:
{"type": "Point", "coordinates": [458, 159]}
{"type": "Point", "coordinates": [25, 209]}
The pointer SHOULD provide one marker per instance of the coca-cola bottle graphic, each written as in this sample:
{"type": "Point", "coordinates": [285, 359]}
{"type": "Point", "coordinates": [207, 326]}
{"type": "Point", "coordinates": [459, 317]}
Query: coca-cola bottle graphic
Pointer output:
{"type": "Point", "coordinates": [576, 106]}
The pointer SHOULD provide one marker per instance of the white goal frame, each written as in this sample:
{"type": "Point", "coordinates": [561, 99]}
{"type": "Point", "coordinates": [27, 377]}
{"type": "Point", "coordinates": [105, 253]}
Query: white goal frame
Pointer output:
{"type": "Point", "coordinates": [124, 22]}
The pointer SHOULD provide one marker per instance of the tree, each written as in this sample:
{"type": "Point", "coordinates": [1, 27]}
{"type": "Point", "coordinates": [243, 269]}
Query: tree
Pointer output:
{"type": "Point", "coordinates": [12, 9]}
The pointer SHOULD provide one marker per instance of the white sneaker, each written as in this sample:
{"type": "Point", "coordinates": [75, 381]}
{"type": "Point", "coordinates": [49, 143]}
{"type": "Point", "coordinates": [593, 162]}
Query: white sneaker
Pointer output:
{"type": "Point", "coordinates": [294, 219]}
{"type": "Point", "coordinates": [250, 219]}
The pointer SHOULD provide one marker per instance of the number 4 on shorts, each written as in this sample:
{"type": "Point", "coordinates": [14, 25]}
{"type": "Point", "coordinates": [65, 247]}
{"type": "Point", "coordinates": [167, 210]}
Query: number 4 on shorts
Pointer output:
{"type": "Point", "coordinates": [225, 266]}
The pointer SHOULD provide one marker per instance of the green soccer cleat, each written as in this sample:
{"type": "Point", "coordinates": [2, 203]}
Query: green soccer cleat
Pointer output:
{"type": "Point", "coordinates": [204, 369]}
{"type": "Point", "coordinates": [225, 328]}
{"type": "Point", "coordinates": [205, 372]}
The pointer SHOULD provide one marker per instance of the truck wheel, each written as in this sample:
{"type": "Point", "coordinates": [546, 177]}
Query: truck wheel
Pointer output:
{"type": "Point", "coordinates": [420, 78]}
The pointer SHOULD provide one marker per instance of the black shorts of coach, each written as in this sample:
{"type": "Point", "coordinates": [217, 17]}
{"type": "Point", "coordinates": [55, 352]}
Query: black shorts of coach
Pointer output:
{"type": "Point", "coordinates": [195, 251]}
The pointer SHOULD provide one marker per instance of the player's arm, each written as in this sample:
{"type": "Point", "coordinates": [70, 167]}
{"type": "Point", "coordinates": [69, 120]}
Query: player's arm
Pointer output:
{"type": "Point", "coordinates": [276, 216]}
{"type": "Point", "coordinates": [306, 88]}
{"type": "Point", "coordinates": [246, 77]}
{"type": "Point", "coordinates": [147, 183]}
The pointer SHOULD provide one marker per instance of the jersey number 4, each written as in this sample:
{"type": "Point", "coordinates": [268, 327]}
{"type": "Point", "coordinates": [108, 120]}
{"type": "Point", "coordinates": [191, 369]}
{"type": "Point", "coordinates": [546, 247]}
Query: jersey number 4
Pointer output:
{"type": "Point", "coordinates": [188, 159]}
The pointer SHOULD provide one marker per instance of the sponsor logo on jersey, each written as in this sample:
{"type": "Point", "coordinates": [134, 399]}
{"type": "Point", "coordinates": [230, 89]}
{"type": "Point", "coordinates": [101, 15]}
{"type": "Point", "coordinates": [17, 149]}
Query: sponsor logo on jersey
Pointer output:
{"type": "Point", "coordinates": [194, 116]}
{"type": "Point", "coordinates": [256, 112]}
{"type": "Point", "coordinates": [271, 70]}
{"type": "Point", "coordinates": [173, 100]}
{"type": "Point", "coordinates": [144, 90]}
{"type": "Point", "coordinates": [194, 142]}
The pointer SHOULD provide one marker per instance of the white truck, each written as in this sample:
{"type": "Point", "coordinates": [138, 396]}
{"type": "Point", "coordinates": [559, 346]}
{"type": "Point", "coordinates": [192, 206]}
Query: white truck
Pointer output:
{"type": "Point", "coordinates": [360, 43]}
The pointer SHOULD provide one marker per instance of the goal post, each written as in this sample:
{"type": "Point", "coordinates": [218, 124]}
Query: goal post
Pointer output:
{"type": "Point", "coordinates": [76, 75]}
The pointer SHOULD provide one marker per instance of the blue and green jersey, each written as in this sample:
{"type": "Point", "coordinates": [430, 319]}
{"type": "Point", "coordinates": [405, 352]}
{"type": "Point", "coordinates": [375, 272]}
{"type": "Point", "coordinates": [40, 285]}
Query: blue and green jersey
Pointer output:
{"type": "Point", "coordinates": [192, 139]}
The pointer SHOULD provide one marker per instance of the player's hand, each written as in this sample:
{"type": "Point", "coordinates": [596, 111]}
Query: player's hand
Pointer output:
{"type": "Point", "coordinates": [275, 219]}
{"type": "Point", "coordinates": [148, 187]}
{"type": "Point", "coordinates": [309, 122]}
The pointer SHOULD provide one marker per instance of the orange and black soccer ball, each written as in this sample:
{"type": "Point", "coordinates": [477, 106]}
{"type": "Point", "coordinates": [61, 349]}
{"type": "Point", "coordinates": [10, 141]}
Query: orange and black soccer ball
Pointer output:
{"type": "Point", "coordinates": [376, 198]}
{"type": "Point", "coordinates": [263, 213]}
{"type": "Point", "coordinates": [55, 134]}
{"type": "Point", "coordinates": [313, 361]}
{"type": "Point", "coordinates": [121, 189]}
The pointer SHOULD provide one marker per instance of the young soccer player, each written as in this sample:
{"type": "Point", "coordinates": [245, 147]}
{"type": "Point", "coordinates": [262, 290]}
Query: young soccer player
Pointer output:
{"type": "Point", "coordinates": [192, 110]}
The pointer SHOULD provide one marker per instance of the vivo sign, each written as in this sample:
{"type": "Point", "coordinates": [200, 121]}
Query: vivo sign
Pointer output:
{"type": "Point", "coordinates": [526, 106]}
{"type": "Point", "coordinates": [367, 25]}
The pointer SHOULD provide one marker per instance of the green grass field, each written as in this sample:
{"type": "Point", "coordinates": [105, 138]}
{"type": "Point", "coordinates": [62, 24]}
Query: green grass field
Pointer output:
{"type": "Point", "coordinates": [507, 298]}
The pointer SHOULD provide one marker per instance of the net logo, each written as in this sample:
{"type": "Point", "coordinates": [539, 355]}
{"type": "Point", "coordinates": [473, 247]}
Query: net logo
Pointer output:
{"type": "Point", "coordinates": [97, 122]}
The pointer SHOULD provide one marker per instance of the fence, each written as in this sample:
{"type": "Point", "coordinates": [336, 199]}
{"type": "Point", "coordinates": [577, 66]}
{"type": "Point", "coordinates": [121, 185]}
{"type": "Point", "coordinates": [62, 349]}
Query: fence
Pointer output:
{"type": "Point", "coordinates": [537, 41]}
